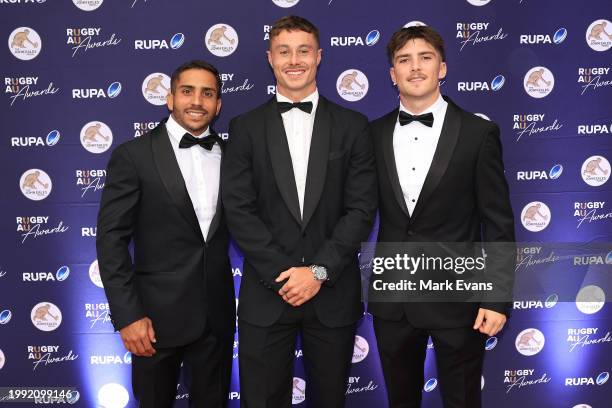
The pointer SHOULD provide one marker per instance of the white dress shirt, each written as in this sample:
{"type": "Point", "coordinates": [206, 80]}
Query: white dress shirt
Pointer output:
{"type": "Point", "coordinates": [200, 169]}
{"type": "Point", "coordinates": [298, 128]}
{"type": "Point", "coordinates": [414, 146]}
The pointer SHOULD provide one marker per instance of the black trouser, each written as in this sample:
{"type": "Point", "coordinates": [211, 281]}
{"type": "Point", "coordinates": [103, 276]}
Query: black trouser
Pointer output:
{"type": "Point", "coordinates": [459, 356]}
{"type": "Point", "coordinates": [207, 365]}
{"type": "Point", "coordinates": [267, 355]}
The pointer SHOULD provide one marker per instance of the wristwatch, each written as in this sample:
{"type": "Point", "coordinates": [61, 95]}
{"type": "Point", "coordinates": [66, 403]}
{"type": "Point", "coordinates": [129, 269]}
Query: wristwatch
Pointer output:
{"type": "Point", "coordinates": [319, 272]}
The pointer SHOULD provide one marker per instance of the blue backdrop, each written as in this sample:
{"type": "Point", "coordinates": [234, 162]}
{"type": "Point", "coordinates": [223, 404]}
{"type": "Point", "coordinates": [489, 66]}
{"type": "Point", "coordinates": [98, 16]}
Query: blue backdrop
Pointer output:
{"type": "Point", "coordinates": [82, 76]}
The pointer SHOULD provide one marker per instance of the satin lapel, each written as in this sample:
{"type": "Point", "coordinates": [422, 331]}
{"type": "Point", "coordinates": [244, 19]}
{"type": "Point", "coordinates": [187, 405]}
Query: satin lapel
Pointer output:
{"type": "Point", "coordinates": [281, 159]}
{"type": "Point", "coordinates": [444, 151]}
{"type": "Point", "coordinates": [171, 176]}
{"type": "Point", "coordinates": [214, 223]}
{"type": "Point", "coordinates": [317, 160]}
{"type": "Point", "coordinates": [389, 156]}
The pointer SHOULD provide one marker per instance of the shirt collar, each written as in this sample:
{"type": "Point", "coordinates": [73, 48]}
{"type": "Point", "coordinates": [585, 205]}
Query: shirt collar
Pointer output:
{"type": "Point", "coordinates": [176, 131]}
{"type": "Point", "coordinates": [435, 108]}
{"type": "Point", "coordinates": [313, 97]}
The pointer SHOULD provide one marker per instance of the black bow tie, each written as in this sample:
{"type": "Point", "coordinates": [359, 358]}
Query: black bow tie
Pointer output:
{"type": "Point", "coordinates": [207, 142]}
{"type": "Point", "coordinates": [427, 119]}
{"type": "Point", "coordinates": [287, 106]}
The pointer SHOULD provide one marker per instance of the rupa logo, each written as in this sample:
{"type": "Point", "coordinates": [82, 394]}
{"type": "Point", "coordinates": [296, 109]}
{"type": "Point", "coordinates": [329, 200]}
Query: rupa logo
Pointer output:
{"type": "Point", "coordinates": [495, 85]}
{"type": "Point", "coordinates": [550, 302]}
{"type": "Point", "coordinates": [556, 38]}
{"type": "Point", "coordinates": [112, 91]}
{"type": "Point", "coordinates": [491, 343]}
{"type": "Point", "coordinates": [471, 34]}
{"type": "Point", "coordinates": [591, 78]}
{"type": "Point", "coordinates": [22, 1]}
{"type": "Point", "coordinates": [370, 39]}
{"type": "Point", "coordinates": [60, 275]}
{"type": "Point", "coordinates": [531, 175]}
{"type": "Point", "coordinates": [175, 42]}
{"type": "Point", "coordinates": [601, 379]}
{"type": "Point", "coordinates": [594, 129]}
{"type": "Point", "coordinates": [111, 359]}
{"type": "Point", "coordinates": [533, 124]}
{"type": "Point", "coordinates": [37, 141]}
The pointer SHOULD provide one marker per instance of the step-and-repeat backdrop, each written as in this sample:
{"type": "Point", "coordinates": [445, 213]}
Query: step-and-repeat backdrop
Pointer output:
{"type": "Point", "coordinates": [80, 77]}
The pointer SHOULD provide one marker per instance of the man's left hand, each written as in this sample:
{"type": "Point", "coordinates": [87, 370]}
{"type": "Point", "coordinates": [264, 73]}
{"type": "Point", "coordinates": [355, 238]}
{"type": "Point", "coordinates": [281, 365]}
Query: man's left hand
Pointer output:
{"type": "Point", "coordinates": [489, 322]}
{"type": "Point", "coordinates": [301, 286]}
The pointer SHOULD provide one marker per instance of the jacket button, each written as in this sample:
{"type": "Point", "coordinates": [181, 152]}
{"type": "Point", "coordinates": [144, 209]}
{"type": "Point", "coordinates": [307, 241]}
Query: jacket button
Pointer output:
{"type": "Point", "coordinates": [410, 233]}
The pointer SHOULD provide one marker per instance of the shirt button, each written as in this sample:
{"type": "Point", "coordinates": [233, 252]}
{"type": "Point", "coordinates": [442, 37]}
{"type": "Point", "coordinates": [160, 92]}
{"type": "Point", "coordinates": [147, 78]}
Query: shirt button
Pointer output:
{"type": "Point", "coordinates": [414, 168]}
{"type": "Point", "coordinates": [413, 200]}
{"type": "Point", "coordinates": [416, 138]}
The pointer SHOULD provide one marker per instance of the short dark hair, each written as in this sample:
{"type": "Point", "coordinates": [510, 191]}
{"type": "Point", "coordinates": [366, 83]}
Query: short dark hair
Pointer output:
{"type": "Point", "coordinates": [294, 23]}
{"type": "Point", "coordinates": [195, 64]}
{"type": "Point", "coordinates": [426, 33]}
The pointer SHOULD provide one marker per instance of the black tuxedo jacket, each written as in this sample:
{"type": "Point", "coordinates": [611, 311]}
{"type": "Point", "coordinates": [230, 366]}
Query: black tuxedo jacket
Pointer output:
{"type": "Point", "coordinates": [261, 202]}
{"type": "Point", "coordinates": [464, 199]}
{"type": "Point", "coordinates": [176, 278]}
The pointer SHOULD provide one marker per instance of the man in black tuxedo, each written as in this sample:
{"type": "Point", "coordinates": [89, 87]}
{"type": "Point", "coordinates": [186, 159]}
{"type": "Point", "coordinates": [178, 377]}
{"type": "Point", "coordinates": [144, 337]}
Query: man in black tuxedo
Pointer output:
{"type": "Point", "coordinates": [174, 301]}
{"type": "Point", "coordinates": [298, 186]}
{"type": "Point", "coordinates": [441, 179]}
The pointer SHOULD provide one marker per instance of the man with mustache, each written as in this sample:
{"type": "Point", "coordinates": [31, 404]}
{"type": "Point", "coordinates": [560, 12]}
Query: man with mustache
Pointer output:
{"type": "Point", "coordinates": [173, 302]}
{"type": "Point", "coordinates": [441, 179]}
{"type": "Point", "coordinates": [299, 191]}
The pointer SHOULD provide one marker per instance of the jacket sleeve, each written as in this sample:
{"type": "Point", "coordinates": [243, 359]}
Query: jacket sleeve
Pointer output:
{"type": "Point", "coordinates": [240, 202]}
{"type": "Point", "coordinates": [116, 219]}
{"type": "Point", "coordinates": [497, 222]}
